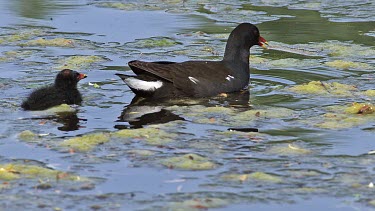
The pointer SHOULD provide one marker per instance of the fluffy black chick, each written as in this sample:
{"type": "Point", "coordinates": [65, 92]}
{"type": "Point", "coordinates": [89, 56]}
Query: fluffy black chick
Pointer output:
{"type": "Point", "coordinates": [63, 91]}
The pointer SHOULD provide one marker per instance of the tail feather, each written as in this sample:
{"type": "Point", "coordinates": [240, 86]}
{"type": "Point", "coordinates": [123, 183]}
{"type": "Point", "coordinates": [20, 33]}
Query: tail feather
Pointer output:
{"type": "Point", "coordinates": [138, 85]}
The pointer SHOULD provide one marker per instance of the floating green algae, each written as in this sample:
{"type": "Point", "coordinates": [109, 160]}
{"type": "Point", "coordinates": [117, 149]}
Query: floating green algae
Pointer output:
{"type": "Point", "coordinates": [189, 162]}
{"type": "Point", "coordinates": [151, 135]}
{"type": "Point", "coordinates": [87, 142]}
{"type": "Point", "coordinates": [257, 176]}
{"type": "Point", "coordinates": [78, 62]}
{"type": "Point", "coordinates": [141, 152]}
{"type": "Point", "coordinates": [200, 110]}
{"type": "Point", "coordinates": [340, 117]}
{"type": "Point", "coordinates": [20, 35]}
{"type": "Point", "coordinates": [341, 64]}
{"type": "Point", "coordinates": [324, 88]}
{"type": "Point", "coordinates": [360, 108]}
{"type": "Point", "coordinates": [63, 108]}
{"type": "Point", "coordinates": [265, 177]}
{"type": "Point", "coordinates": [338, 121]}
{"type": "Point", "coordinates": [156, 42]}
{"type": "Point", "coordinates": [119, 5]}
{"type": "Point", "coordinates": [14, 55]}
{"type": "Point", "coordinates": [56, 42]}
{"type": "Point", "coordinates": [197, 204]}
{"type": "Point", "coordinates": [287, 150]}
{"type": "Point", "coordinates": [292, 62]}
{"type": "Point", "coordinates": [370, 93]}
{"type": "Point", "coordinates": [16, 171]}
{"type": "Point", "coordinates": [270, 112]}
{"type": "Point", "coordinates": [229, 116]}
{"type": "Point", "coordinates": [340, 49]}
{"type": "Point", "coordinates": [27, 135]}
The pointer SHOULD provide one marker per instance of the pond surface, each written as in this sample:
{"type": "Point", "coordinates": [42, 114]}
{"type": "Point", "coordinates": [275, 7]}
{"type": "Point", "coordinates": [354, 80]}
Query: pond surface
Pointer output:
{"type": "Point", "coordinates": [116, 152]}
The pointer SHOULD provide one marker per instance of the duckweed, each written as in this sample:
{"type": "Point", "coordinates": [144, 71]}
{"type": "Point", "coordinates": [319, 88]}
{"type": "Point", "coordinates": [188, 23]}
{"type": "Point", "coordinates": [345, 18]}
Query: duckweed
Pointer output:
{"type": "Point", "coordinates": [370, 93]}
{"type": "Point", "coordinates": [141, 152]}
{"type": "Point", "coordinates": [56, 42]}
{"type": "Point", "coordinates": [78, 62]}
{"type": "Point", "coordinates": [153, 136]}
{"type": "Point", "coordinates": [264, 177]}
{"type": "Point", "coordinates": [338, 121]}
{"type": "Point", "coordinates": [286, 150]}
{"type": "Point", "coordinates": [87, 142]}
{"type": "Point", "coordinates": [258, 176]}
{"type": "Point", "coordinates": [119, 5]}
{"type": "Point", "coordinates": [341, 64]}
{"type": "Point", "coordinates": [274, 112]}
{"type": "Point", "coordinates": [13, 55]}
{"type": "Point", "coordinates": [324, 88]}
{"type": "Point", "coordinates": [27, 135]}
{"type": "Point", "coordinates": [157, 42]}
{"type": "Point", "coordinates": [189, 162]}
{"type": "Point", "coordinates": [63, 108]}
{"type": "Point", "coordinates": [15, 171]}
{"type": "Point", "coordinates": [360, 108]}
{"type": "Point", "coordinates": [20, 35]}
{"type": "Point", "coordinates": [340, 117]}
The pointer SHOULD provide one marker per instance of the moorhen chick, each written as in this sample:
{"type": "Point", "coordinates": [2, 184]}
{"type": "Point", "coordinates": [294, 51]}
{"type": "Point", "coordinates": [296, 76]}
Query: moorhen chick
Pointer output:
{"type": "Point", "coordinates": [63, 91]}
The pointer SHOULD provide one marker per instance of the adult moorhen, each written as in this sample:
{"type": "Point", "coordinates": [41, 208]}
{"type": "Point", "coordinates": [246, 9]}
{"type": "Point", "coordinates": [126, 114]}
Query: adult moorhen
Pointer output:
{"type": "Point", "coordinates": [64, 90]}
{"type": "Point", "coordinates": [198, 78]}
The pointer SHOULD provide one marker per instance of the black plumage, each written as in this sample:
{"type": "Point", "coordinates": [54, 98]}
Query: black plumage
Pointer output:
{"type": "Point", "coordinates": [198, 78]}
{"type": "Point", "coordinates": [64, 90]}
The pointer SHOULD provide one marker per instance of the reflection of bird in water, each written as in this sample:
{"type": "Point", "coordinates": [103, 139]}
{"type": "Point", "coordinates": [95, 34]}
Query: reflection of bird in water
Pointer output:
{"type": "Point", "coordinates": [140, 113]}
{"type": "Point", "coordinates": [143, 111]}
{"type": "Point", "coordinates": [70, 121]}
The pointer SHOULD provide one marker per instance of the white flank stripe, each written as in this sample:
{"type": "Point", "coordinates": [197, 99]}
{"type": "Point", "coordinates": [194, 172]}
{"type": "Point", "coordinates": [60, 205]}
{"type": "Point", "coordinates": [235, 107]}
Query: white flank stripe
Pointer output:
{"type": "Point", "coordinates": [143, 85]}
{"type": "Point", "coordinates": [194, 80]}
{"type": "Point", "coordinates": [229, 77]}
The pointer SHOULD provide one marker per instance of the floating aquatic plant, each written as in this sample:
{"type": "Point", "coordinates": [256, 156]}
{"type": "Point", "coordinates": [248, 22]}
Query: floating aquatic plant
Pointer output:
{"type": "Point", "coordinates": [11, 171]}
{"type": "Point", "coordinates": [156, 42]}
{"type": "Point", "coordinates": [27, 135]}
{"type": "Point", "coordinates": [290, 149]}
{"type": "Point", "coordinates": [86, 142]}
{"type": "Point", "coordinates": [56, 42]}
{"type": "Point", "coordinates": [150, 135]}
{"type": "Point", "coordinates": [189, 162]}
{"type": "Point", "coordinates": [341, 64]}
{"type": "Point", "coordinates": [78, 62]}
{"type": "Point", "coordinates": [324, 88]}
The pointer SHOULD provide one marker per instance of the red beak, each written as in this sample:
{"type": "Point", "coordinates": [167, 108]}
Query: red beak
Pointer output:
{"type": "Point", "coordinates": [81, 76]}
{"type": "Point", "coordinates": [262, 42]}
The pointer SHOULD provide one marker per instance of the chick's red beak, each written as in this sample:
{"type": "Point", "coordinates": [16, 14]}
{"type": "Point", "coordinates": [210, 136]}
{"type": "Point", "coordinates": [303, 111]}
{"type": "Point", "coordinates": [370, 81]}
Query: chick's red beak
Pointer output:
{"type": "Point", "coordinates": [81, 76]}
{"type": "Point", "coordinates": [262, 42]}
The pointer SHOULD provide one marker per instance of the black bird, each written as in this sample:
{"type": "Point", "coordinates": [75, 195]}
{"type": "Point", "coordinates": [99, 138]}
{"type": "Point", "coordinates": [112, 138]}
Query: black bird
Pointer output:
{"type": "Point", "coordinates": [64, 90]}
{"type": "Point", "coordinates": [198, 78]}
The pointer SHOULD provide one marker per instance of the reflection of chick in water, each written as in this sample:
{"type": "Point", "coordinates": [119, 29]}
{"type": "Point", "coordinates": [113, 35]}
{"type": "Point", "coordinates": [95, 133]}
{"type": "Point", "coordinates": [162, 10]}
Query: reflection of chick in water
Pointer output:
{"type": "Point", "coordinates": [70, 121]}
{"type": "Point", "coordinates": [64, 90]}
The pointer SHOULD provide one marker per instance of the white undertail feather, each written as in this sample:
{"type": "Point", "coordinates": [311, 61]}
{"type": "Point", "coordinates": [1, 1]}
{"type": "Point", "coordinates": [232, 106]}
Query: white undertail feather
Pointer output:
{"type": "Point", "coordinates": [194, 80]}
{"type": "Point", "coordinates": [143, 85]}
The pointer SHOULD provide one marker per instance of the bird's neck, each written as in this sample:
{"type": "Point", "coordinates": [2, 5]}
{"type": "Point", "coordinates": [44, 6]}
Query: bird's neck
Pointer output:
{"type": "Point", "coordinates": [65, 86]}
{"type": "Point", "coordinates": [236, 54]}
